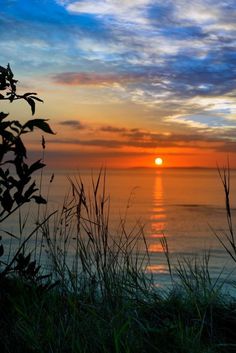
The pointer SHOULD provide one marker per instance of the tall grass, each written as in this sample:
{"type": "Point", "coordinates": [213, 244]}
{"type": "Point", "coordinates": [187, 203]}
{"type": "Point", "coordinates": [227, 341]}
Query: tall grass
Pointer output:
{"type": "Point", "coordinates": [227, 238]}
{"type": "Point", "coordinates": [106, 264]}
{"type": "Point", "coordinates": [101, 299]}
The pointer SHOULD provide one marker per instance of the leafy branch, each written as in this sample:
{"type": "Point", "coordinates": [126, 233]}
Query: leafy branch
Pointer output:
{"type": "Point", "coordinates": [8, 84]}
{"type": "Point", "coordinates": [16, 185]}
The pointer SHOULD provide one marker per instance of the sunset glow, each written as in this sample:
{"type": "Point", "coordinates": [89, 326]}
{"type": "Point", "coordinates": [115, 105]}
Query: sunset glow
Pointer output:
{"type": "Point", "coordinates": [121, 83]}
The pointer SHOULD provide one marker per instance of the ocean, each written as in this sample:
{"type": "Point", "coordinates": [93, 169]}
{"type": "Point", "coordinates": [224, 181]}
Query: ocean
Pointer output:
{"type": "Point", "coordinates": [187, 206]}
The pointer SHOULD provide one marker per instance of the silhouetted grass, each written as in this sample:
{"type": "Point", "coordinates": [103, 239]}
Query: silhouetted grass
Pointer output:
{"type": "Point", "coordinates": [99, 297]}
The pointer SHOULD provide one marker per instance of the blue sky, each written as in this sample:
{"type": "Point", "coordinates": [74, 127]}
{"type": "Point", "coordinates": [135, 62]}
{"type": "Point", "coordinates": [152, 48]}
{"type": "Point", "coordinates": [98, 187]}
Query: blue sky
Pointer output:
{"type": "Point", "coordinates": [164, 68]}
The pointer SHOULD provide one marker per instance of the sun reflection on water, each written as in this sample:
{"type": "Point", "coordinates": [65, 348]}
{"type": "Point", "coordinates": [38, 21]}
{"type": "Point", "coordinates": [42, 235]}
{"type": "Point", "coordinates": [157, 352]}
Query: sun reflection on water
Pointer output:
{"type": "Point", "coordinates": [158, 216]}
{"type": "Point", "coordinates": [157, 269]}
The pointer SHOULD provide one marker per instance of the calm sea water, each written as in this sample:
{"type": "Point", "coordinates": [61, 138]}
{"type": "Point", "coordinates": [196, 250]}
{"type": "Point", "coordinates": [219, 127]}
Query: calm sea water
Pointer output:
{"type": "Point", "coordinates": [185, 205]}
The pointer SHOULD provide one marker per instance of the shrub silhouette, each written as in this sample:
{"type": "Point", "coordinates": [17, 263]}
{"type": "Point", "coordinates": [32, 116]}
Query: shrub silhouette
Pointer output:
{"type": "Point", "coordinates": [16, 185]}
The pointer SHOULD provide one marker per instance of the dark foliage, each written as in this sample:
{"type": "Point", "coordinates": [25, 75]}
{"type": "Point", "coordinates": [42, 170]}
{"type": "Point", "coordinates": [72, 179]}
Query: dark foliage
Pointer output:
{"type": "Point", "coordinates": [16, 185]}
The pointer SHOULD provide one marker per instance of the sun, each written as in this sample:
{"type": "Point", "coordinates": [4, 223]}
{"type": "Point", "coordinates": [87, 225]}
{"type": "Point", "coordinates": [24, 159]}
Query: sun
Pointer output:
{"type": "Point", "coordinates": [158, 161]}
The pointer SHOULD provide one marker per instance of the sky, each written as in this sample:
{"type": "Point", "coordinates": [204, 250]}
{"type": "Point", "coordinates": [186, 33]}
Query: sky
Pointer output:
{"type": "Point", "coordinates": [125, 81]}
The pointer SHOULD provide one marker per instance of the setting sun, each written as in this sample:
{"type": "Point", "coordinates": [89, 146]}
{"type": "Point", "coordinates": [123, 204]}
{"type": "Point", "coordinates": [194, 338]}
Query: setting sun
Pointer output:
{"type": "Point", "coordinates": [158, 161]}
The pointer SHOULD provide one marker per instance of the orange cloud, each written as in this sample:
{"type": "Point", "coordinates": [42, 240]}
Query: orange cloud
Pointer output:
{"type": "Point", "coordinates": [94, 79]}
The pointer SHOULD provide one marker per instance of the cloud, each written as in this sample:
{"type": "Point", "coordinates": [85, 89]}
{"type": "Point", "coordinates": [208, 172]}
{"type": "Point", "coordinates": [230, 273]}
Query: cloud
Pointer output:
{"type": "Point", "coordinates": [146, 140]}
{"type": "Point", "coordinates": [115, 129]}
{"type": "Point", "coordinates": [130, 10]}
{"type": "Point", "coordinates": [176, 58]}
{"type": "Point", "coordinates": [75, 124]}
{"type": "Point", "coordinates": [153, 142]}
{"type": "Point", "coordinates": [94, 79]}
{"type": "Point", "coordinates": [227, 147]}
{"type": "Point", "coordinates": [204, 121]}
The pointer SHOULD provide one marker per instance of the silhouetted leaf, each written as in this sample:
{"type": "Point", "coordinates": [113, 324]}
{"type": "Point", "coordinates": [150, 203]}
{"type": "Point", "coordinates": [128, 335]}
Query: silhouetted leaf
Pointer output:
{"type": "Point", "coordinates": [10, 73]}
{"type": "Point", "coordinates": [30, 191]}
{"type": "Point", "coordinates": [18, 124]}
{"type": "Point", "coordinates": [20, 148]}
{"type": "Point", "coordinates": [32, 104]}
{"type": "Point", "coordinates": [16, 129]}
{"type": "Point", "coordinates": [4, 125]}
{"type": "Point", "coordinates": [37, 99]}
{"type": "Point", "coordinates": [35, 166]}
{"type": "Point", "coordinates": [39, 199]}
{"type": "Point", "coordinates": [3, 116]}
{"type": "Point", "coordinates": [7, 135]}
{"type": "Point", "coordinates": [7, 201]}
{"type": "Point", "coordinates": [40, 124]}
{"type": "Point", "coordinates": [28, 94]}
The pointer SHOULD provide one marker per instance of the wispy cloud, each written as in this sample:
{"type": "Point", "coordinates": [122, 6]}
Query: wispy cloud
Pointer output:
{"type": "Point", "coordinates": [131, 10]}
{"type": "Point", "coordinates": [146, 140]}
{"type": "Point", "coordinates": [75, 124]}
{"type": "Point", "coordinates": [95, 79]}
{"type": "Point", "coordinates": [113, 129]}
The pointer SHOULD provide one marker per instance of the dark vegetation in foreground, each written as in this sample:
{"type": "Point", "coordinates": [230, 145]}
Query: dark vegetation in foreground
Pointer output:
{"type": "Point", "coordinates": [96, 295]}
